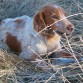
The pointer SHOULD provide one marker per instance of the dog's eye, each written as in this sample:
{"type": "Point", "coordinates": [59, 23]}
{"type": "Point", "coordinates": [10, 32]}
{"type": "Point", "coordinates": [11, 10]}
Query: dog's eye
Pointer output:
{"type": "Point", "coordinates": [55, 16]}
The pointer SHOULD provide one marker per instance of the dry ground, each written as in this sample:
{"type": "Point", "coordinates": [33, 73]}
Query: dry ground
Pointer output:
{"type": "Point", "coordinates": [15, 70]}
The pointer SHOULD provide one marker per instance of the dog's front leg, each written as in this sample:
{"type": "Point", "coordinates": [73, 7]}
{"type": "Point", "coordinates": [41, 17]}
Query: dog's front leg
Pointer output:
{"type": "Point", "coordinates": [63, 57]}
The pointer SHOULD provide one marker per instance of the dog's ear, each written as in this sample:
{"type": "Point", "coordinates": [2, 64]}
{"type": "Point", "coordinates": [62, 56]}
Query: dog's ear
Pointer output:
{"type": "Point", "coordinates": [39, 21]}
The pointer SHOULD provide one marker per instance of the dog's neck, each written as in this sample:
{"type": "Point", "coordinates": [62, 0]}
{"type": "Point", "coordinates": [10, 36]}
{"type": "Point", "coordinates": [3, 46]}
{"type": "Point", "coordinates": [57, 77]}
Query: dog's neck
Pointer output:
{"type": "Point", "coordinates": [54, 38]}
{"type": "Point", "coordinates": [54, 42]}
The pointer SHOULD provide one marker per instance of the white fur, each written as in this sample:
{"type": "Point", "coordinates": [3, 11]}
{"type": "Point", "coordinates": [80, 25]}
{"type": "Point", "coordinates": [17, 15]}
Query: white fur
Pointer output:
{"type": "Point", "coordinates": [25, 33]}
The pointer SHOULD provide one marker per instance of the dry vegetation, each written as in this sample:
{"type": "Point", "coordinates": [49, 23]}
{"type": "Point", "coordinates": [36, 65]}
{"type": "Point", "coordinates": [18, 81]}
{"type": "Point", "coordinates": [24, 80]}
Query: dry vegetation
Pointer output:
{"type": "Point", "coordinates": [15, 70]}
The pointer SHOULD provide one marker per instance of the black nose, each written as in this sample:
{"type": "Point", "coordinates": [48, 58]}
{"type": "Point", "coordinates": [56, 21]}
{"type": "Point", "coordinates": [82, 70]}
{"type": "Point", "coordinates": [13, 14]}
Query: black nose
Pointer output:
{"type": "Point", "coordinates": [70, 27]}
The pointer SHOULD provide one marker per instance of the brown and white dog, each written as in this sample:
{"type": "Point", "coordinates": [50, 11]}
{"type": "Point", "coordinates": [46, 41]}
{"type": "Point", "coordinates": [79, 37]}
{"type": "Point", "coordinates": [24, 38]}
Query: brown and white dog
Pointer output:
{"type": "Point", "coordinates": [34, 37]}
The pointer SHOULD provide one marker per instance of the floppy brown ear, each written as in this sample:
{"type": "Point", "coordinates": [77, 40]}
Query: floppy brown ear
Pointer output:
{"type": "Point", "coordinates": [39, 22]}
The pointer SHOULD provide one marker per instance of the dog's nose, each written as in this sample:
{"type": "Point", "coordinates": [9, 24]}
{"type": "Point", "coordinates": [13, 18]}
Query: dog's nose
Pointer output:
{"type": "Point", "coordinates": [70, 27]}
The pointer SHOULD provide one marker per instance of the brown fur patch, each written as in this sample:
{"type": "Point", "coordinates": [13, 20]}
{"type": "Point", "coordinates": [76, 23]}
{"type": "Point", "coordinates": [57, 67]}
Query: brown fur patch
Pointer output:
{"type": "Point", "coordinates": [13, 43]}
{"type": "Point", "coordinates": [63, 54]}
{"type": "Point", "coordinates": [18, 21]}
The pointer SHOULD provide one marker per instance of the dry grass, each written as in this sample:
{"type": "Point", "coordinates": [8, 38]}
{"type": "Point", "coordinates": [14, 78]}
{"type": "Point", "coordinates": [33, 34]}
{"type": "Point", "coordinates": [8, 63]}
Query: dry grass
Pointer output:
{"type": "Point", "coordinates": [15, 70]}
{"type": "Point", "coordinates": [14, 8]}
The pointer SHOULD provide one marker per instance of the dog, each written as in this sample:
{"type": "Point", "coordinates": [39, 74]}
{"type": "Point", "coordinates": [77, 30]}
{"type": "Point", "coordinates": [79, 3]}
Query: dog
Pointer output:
{"type": "Point", "coordinates": [33, 38]}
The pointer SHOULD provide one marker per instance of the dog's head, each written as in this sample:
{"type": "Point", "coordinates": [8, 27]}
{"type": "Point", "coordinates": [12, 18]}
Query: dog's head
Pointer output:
{"type": "Point", "coordinates": [52, 20]}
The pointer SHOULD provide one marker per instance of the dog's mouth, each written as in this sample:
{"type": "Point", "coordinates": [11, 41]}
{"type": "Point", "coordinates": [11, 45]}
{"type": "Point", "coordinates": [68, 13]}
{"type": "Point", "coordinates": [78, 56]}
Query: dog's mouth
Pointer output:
{"type": "Point", "coordinates": [62, 33]}
{"type": "Point", "coordinates": [51, 32]}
